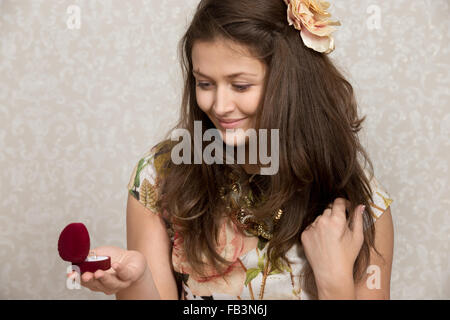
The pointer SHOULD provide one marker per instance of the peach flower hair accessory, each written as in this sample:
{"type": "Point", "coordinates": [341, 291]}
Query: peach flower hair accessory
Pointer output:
{"type": "Point", "coordinates": [311, 19]}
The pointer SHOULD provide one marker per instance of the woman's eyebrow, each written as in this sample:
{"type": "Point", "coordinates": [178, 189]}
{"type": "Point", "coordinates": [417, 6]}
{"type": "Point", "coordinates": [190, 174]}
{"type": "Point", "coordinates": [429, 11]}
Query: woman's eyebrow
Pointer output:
{"type": "Point", "coordinates": [230, 76]}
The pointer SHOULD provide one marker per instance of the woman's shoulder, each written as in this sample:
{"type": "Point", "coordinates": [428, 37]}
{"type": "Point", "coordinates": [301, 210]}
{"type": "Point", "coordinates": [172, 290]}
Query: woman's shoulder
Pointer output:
{"type": "Point", "coordinates": [381, 199]}
{"type": "Point", "coordinates": [151, 167]}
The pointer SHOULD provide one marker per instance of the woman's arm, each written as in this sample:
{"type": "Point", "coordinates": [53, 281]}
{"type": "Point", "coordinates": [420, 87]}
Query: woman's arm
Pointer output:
{"type": "Point", "coordinates": [376, 284]}
{"type": "Point", "coordinates": [143, 289]}
{"type": "Point", "coordinates": [146, 233]}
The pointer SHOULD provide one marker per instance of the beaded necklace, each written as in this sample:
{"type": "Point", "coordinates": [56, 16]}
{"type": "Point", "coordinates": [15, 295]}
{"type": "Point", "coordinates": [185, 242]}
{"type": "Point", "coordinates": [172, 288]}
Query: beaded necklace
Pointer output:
{"type": "Point", "coordinates": [238, 211]}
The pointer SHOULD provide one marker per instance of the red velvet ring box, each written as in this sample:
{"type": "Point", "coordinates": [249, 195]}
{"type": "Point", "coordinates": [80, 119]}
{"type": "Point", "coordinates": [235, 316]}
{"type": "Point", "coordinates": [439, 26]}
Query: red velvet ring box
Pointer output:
{"type": "Point", "coordinates": [74, 246]}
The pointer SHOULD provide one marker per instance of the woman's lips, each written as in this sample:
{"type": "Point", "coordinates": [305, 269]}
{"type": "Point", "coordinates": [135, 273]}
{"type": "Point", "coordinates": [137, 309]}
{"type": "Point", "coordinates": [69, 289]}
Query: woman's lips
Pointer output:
{"type": "Point", "coordinates": [230, 125]}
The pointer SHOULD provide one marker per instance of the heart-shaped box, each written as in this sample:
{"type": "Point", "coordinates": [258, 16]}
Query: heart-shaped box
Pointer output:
{"type": "Point", "coordinates": [74, 246]}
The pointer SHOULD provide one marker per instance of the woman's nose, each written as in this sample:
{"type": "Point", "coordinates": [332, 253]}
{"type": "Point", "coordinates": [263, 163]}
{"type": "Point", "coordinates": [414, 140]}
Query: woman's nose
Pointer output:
{"type": "Point", "coordinates": [224, 103]}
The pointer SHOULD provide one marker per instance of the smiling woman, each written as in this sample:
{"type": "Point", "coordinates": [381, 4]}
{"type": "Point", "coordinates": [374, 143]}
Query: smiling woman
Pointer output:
{"type": "Point", "coordinates": [310, 230]}
{"type": "Point", "coordinates": [231, 92]}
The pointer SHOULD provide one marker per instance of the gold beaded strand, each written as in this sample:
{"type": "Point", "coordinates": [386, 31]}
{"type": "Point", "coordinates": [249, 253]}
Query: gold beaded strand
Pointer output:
{"type": "Point", "coordinates": [248, 222]}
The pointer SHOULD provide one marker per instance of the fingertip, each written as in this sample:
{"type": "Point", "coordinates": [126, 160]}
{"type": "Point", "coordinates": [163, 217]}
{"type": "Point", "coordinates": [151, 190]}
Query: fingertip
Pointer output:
{"type": "Point", "coordinates": [87, 276]}
{"type": "Point", "coordinates": [362, 209]}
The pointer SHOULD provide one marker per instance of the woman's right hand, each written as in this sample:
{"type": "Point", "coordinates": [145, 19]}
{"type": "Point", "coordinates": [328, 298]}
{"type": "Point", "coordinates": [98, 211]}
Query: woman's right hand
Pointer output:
{"type": "Point", "coordinates": [127, 268]}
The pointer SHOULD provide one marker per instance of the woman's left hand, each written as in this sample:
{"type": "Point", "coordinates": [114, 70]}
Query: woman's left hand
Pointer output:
{"type": "Point", "coordinates": [331, 247]}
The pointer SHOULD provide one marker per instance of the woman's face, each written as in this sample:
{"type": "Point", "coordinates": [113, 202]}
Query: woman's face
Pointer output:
{"type": "Point", "coordinates": [229, 86]}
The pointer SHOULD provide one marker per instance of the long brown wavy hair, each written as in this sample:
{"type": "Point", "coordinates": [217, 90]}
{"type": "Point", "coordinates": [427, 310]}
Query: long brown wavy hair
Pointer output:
{"type": "Point", "coordinates": [311, 103]}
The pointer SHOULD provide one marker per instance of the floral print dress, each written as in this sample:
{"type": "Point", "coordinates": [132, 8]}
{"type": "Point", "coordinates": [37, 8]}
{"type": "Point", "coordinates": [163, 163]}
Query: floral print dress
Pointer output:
{"type": "Point", "coordinates": [251, 275]}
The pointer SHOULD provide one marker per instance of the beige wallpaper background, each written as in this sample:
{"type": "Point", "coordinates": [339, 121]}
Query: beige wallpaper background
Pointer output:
{"type": "Point", "coordinates": [79, 104]}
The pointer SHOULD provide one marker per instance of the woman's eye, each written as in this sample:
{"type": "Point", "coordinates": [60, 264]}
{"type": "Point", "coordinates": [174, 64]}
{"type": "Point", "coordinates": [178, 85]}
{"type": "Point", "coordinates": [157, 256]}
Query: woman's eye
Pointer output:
{"type": "Point", "coordinates": [202, 85]}
{"type": "Point", "coordinates": [242, 87]}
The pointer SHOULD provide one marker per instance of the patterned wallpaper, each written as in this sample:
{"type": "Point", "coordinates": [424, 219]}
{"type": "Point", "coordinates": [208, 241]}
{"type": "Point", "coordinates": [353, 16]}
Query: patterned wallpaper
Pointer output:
{"type": "Point", "coordinates": [82, 99]}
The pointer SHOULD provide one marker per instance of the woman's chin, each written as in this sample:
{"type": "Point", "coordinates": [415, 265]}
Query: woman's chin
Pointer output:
{"type": "Point", "coordinates": [233, 139]}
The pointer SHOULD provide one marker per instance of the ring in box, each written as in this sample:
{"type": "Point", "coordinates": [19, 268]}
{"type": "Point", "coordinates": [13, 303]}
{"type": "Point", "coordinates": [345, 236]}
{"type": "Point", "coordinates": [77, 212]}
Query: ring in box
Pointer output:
{"type": "Point", "coordinates": [74, 246]}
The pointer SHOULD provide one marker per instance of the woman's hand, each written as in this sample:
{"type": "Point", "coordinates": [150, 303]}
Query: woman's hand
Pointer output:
{"type": "Point", "coordinates": [331, 247]}
{"type": "Point", "coordinates": [127, 267]}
